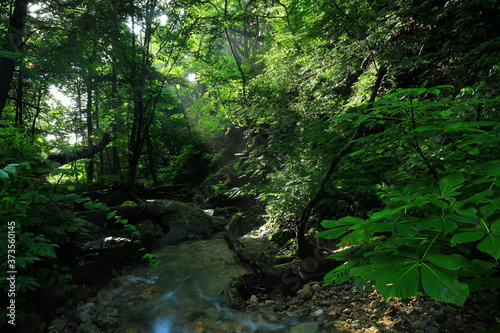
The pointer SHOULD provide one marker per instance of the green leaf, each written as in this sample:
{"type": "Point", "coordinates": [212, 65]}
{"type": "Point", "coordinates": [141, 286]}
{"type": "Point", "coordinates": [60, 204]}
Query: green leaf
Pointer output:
{"type": "Point", "coordinates": [425, 128]}
{"type": "Point", "coordinates": [333, 233]}
{"type": "Point", "coordinates": [467, 237]}
{"type": "Point", "coordinates": [452, 261]}
{"type": "Point", "coordinates": [348, 220]}
{"type": "Point", "coordinates": [110, 215]}
{"type": "Point", "coordinates": [380, 266]}
{"type": "Point", "coordinates": [491, 245]}
{"type": "Point", "coordinates": [415, 92]}
{"type": "Point", "coordinates": [470, 219]}
{"type": "Point", "coordinates": [3, 174]}
{"type": "Point", "coordinates": [465, 209]}
{"type": "Point", "coordinates": [449, 183]}
{"type": "Point", "coordinates": [495, 227]}
{"type": "Point", "coordinates": [346, 116]}
{"type": "Point", "coordinates": [88, 205]}
{"type": "Point", "coordinates": [402, 282]}
{"type": "Point", "coordinates": [340, 274]}
{"type": "Point", "coordinates": [468, 125]}
{"type": "Point", "coordinates": [491, 168]}
{"type": "Point", "coordinates": [11, 168]}
{"type": "Point", "coordinates": [489, 209]}
{"type": "Point", "coordinates": [372, 227]}
{"type": "Point", "coordinates": [441, 224]}
{"type": "Point", "coordinates": [442, 286]}
{"type": "Point", "coordinates": [381, 214]}
{"type": "Point", "coordinates": [362, 284]}
{"type": "Point", "coordinates": [439, 203]}
{"type": "Point", "coordinates": [406, 230]}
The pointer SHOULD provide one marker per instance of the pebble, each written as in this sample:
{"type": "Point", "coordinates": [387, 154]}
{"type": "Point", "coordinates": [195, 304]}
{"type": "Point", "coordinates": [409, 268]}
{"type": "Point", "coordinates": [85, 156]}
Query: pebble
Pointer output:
{"type": "Point", "coordinates": [58, 324]}
{"type": "Point", "coordinates": [253, 300]}
{"type": "Point", "coordinates": [305, 293]}
{"type": "Point", "coordinates": [318, 313]}
{"type": "Point", "coordinates": [269, 303]}
{"type": "Point", "coordinates": [339, 307]}
{"type": "Point", "coordinates": [88, 328]}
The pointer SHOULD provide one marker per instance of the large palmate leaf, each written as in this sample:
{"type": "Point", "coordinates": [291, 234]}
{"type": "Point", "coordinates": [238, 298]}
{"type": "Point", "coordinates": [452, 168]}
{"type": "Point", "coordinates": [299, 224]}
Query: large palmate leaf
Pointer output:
{"type": "Point", "coordinates": [449, 184]}
{"type": "Point", "coordinates": [442, 286]}
{"type": "Point", "coordinates": [401, 282]}
{"type": "Point", "coordinates": [380, 266]}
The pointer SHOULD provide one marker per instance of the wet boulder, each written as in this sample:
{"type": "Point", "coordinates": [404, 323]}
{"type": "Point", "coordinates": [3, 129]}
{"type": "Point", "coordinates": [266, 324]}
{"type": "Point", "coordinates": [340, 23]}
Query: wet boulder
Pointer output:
{"type": "Point", "coordinates": [184, 222]}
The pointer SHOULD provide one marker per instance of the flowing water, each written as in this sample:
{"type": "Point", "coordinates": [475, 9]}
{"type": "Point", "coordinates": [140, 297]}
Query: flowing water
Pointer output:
{"type": "Point", "coordinates": [184, 293]}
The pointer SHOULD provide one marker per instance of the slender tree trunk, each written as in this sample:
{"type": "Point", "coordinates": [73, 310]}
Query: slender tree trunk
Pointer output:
{"type": "Point", "coordinates": [90, 132]}
{"type": "Point", "coordinates": [136, 133]}
{"type": "Point", "coordinates": [19, 118]}
{"type": "Point", "coordinates": [236, 57]}
{"type": "Point", "coordinates": [13, 40]}
{"type": "Point", "coordinates": [37, 112]}
{"type": "Point", "coordinates": [116, 167]}
{"type": "Point", "coordinates": [151, 160]}
{"type": "Point", "coordinates": [101, 165]}
{"type": "Point", "coordinates": [142, 119]}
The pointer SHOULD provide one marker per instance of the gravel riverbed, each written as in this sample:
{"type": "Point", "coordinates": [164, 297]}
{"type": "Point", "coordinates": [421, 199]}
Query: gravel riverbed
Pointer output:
{"type": "Point", "coordinates": [343, 308]}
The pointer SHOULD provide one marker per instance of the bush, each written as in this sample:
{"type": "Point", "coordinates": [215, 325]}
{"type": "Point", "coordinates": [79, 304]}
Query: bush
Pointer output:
{"type": "Point", "coordinates": [439, 231]}
{"type": "Point", "coordinates": [34, 217]}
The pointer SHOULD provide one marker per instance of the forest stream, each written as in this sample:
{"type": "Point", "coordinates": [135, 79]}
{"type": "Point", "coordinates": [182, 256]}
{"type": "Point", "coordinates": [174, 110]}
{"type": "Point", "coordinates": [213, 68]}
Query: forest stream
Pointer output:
{"type": "Point", "coordinates": [184, 292]}
{"type": "Point", "coordinates": [188, 292]}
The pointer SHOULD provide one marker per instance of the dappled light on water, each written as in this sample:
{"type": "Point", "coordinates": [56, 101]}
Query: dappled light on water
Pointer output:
{"type": "Point", "coordinates": [185, 293]}
{"type": "Point", "coordinates": [163, 325]}
{"type": "Point", "coordinates": [188, 309]}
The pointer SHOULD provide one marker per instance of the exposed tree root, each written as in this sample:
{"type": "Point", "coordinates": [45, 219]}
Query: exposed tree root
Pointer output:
{"type": "Point", "coordinates": [284, 279]}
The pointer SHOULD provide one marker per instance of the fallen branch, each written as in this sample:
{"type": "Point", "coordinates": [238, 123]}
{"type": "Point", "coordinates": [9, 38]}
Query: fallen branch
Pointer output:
{"type": "Point", "coordinates": [67, 157]}
{"type": "Point", "coordinates": [284, 279]}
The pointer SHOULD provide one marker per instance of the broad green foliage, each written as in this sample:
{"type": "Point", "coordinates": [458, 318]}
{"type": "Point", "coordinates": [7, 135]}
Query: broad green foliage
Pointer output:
{"type": "Point", "coordinates": [439, 236]}
{"type": "Point", "coordinates": [41, 226]}
{"type": "Point", "coordinates": [280, 89]}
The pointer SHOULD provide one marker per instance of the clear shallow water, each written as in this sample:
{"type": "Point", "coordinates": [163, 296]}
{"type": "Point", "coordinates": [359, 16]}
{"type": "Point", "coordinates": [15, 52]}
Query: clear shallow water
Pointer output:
{"type": "Point", "coordinates": [184, 293]}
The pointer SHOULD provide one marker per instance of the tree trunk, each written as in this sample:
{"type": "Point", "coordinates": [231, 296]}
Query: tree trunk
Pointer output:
{"type": "Point", "coordinates": [136, 136]}
{"type": "Point", "coordinates": [116, 167]}
{"type": "Point", "coordinates": [19, 118]}
{"type": "Point", "coordinates": [151, 161]}
{"type": "Point", "coordinates": [90, 132]}
{"type": "Point", "coordinates": [14, 38]}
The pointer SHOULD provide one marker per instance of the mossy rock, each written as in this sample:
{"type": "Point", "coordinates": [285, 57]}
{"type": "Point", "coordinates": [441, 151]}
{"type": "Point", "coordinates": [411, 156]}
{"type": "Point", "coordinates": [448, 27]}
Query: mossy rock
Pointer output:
{"type": "Point", "coordinates": [185, 222]}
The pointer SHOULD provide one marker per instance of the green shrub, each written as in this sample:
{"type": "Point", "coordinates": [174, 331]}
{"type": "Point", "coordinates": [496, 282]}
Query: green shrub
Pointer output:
{"type": "Point", "coordinates": [439, 231]}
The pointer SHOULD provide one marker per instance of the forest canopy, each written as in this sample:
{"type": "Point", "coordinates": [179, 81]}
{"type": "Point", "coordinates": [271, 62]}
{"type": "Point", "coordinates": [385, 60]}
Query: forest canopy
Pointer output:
{"type": "Point", "coordinates": [373, 124]}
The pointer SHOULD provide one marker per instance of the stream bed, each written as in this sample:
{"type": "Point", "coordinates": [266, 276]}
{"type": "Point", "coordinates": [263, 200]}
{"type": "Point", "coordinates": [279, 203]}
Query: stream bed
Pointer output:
{"type": "Point", "coordinates": [184, 293]}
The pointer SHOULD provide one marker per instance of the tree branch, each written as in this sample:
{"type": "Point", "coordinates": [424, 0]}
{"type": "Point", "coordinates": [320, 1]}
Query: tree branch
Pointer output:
{"type": "Point", "coordinates": [303, 247]}
{"type": "Point", "coordinates": [67, 157]}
